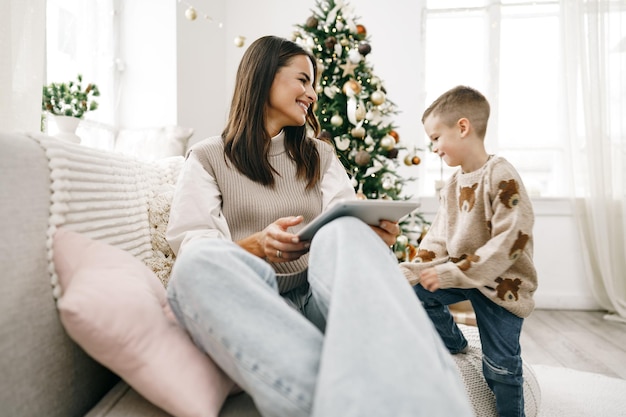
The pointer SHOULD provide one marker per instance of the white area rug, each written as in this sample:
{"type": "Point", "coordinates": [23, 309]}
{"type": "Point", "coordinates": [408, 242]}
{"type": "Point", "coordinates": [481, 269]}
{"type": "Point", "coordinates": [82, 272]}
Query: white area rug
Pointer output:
{"type": "Point", "coordinates": [570, 393]}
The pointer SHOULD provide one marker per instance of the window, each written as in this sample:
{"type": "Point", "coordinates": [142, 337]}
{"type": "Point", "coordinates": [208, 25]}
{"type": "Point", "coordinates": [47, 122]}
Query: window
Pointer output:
{"type": "Point", "coordinates": [511, 52]}
{"type": "Point", "coordinates": [80, 40]}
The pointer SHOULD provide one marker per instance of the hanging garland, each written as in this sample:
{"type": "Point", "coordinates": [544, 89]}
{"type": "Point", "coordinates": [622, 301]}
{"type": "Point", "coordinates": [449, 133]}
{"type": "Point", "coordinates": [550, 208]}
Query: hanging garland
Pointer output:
{"type": "Point", "coordinates": [191, 14]}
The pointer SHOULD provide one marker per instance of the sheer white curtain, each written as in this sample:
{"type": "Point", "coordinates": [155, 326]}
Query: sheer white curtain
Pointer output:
{"type": "Point", "coordinates": [22, 63]}
{"type": "Point", "coordinates": [595, 54]}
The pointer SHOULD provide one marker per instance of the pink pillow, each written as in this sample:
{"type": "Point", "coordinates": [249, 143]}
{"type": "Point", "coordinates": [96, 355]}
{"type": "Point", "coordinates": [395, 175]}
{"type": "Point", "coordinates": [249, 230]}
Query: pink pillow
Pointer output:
{"type": "Point", "coordinates": [116, 309]}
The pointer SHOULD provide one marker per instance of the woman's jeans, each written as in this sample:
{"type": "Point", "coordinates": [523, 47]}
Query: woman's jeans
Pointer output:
{"type": "Point", "coordinates": [499, 336]}
{"type": "Point", "coordinates": [379, 354]}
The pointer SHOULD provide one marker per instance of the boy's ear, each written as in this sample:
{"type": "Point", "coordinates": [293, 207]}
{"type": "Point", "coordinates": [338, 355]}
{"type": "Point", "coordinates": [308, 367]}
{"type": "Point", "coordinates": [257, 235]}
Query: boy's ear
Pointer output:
{"type": "Point", "coordinates": [464, 126]}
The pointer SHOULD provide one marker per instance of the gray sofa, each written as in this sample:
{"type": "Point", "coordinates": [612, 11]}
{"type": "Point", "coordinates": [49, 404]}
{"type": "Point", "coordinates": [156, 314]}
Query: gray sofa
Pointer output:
{"type": "Point", "coordinates": [43, 372]}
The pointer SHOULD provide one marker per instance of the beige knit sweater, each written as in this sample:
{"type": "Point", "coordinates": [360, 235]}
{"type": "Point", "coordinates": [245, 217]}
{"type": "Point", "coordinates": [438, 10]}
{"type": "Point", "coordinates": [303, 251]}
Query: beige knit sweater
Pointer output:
{"type": "Point", "coordinates": [481, 237]}
{"type": "Point", "coordinates": [249, 207]}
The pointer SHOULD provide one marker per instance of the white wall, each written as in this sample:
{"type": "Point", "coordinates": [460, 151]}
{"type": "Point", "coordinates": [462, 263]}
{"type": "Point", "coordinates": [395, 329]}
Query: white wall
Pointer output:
{"type": "Point", "coordinates": [22, 63]}
{"type": "Point", "coordinates": [148, 51]}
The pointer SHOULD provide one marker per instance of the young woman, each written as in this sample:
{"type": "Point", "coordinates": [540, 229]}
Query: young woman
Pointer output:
{"type": "Point", "coordinates": [325, 328]}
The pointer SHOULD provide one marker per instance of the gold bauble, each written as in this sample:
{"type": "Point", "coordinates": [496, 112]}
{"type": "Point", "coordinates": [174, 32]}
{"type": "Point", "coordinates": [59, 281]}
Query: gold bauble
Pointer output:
{"type": "Point", "coordinates": [191, 13]}
{"type": "Point", "coordinates": [387, 142]}
{"type": "Point", "coordinates": [352, 85]}
{"type": "Point", "coordinates": [358, 132]}
{"type": "Point", "coordinates": [377, 98]}
{"type": "Point", "coordinates": [336, 120]}
{"type": "Point", "coordinates": [239, 41]}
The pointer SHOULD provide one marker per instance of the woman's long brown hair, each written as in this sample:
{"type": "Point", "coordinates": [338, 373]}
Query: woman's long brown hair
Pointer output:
{"type": "Point", "coordinates": [246, 140]}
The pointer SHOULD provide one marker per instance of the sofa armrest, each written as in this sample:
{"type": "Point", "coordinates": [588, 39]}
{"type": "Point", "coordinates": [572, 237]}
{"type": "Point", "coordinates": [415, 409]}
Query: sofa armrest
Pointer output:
{"type": "Point", "coordinates": [43, 371]}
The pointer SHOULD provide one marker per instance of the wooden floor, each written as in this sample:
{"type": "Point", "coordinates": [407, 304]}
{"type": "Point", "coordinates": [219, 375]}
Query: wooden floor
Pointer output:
{"type": "Point", "coordinates": [580, 340]}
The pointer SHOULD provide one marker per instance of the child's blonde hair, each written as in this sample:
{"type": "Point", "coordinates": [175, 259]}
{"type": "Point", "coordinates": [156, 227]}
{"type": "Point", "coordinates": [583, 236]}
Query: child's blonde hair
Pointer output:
{"type": "Point", "coordinates": [459, 102]}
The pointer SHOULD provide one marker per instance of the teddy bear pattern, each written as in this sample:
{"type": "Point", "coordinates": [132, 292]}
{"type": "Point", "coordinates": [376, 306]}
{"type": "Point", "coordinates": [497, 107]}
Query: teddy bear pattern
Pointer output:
{"type": "Point", "coordinates": [467, 198]}
{"type": "Point", "coordinates": [509, 193]}
{"type": "Point", "coordinates": [518, 246]}
{"type": "Point", "coordinates": [507, 288]}
{"type": "Point", "coordinates": [465, 261]}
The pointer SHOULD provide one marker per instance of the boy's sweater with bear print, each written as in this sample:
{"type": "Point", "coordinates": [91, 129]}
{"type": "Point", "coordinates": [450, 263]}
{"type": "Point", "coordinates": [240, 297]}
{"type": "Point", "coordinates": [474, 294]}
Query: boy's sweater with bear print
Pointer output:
{"type": "Point", "coordinates": [481, 237]}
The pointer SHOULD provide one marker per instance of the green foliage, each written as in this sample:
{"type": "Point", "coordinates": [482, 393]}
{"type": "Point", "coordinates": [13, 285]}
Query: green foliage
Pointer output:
{"type": "Point", "coordinates": [69, 99]}
{"type": "Point", "coordinates": [353, 108]}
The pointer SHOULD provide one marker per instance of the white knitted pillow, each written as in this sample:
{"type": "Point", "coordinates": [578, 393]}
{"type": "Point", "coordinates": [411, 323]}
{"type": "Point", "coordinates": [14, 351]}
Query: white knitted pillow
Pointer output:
{"type": "Point", "coordinates": [104, 196]}
{"type": "Point", "coordinates": [481, 397]}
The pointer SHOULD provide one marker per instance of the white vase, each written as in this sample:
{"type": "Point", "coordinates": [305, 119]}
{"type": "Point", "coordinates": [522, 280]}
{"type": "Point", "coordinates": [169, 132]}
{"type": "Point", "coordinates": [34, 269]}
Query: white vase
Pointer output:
{"type": "Point", "coordinates": [66, 128]}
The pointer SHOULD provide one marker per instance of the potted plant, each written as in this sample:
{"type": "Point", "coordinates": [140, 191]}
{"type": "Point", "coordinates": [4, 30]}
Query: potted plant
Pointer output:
{"type": "Point", "coordinates": [68, 103]}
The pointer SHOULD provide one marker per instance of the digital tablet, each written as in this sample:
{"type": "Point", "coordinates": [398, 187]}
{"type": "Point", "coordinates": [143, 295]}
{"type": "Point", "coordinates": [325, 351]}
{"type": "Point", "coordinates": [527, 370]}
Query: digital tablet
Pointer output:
{"type": "Point", "coordinates": [370, 211]}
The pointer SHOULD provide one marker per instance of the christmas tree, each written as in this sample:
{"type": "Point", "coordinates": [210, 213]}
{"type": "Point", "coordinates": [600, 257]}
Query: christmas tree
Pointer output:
{"type": "Point", "coordinates": [355, 113]}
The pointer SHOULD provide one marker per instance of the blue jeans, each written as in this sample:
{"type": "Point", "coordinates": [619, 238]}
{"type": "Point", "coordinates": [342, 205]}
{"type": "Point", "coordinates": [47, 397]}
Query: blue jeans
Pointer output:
{"type": "Point", "coordinates": [378, 355]}
{"type": "Point", "coordinates": [499, 336]}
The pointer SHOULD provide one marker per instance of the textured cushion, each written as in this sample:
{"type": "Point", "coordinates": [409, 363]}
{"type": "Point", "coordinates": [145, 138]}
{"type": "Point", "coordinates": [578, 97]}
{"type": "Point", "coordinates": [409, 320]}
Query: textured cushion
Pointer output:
{"type": "Point", "coordinates": [116, 309]}
{"type": "Point", "coordinates": [481, 397]}
{"type": "Point", "coordinates": [153, 143]}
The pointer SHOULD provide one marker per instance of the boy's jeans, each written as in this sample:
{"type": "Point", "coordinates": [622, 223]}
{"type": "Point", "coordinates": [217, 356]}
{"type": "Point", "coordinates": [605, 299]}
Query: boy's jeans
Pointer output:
{"type": "Point", "coordinates": [379, 355]}
{"type": "Point", "coordinates": [499, 335]}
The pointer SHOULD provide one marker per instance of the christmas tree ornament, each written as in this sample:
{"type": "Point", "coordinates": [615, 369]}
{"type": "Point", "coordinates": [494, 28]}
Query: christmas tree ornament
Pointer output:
{"type": "Point", "coordinates": [416, 160]}
{"type": "Point", "coordinates": [239, 41]}
{"type": "Point", "coordinates": [354, 56]}
{"type": "Point", "coordinates": [342, 144]}
{"type": "Point", "coordinates": [312, 22]}
{"type": "Point", "coordinates": [364, 48]}
{"type": "Point", "coordinates": [377, 98]}
{"type": "Point", "coordinates": [362, 158]}
{"type": "Point", "coordinates": [351, 87]}
{"type": "Point", "coordinates": [344, 41]}
{"type": "Point", "coordinates": [330, 92]}
{"type": "Point", "coordinates": [361, 31]}
{"type": "Point", "coordinates": [369, 141]}
{"type": "Point", "coordinates": [395, 135]}
{"type": "Point", "coordinates": [402, 240]}
{"type": "Point", "coordinates": [330, 42]}
{"type": "Point", "coordinates": [392, 153]}
{"type": "Point", "coordinates": [191, 13]}
{"type": "Point", "coordinates": [336, 120]}
{"type": "Point", "coordinates": [387, 184]}
{"type": "Point", "coordinates": [338, 49]}
{"type": "Point", "coordinates": [348, 68]}
{"type": "Point", "coordinates": [358, 132]}
{"type": "Point", "coordinates": [387, 142]}
{"type": "Point", "coordinates": [408, 160]}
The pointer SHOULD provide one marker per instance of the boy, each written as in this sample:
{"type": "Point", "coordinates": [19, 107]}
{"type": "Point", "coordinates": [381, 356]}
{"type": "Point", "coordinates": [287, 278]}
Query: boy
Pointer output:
{"type": "Point", "coordinates": [479, 246]}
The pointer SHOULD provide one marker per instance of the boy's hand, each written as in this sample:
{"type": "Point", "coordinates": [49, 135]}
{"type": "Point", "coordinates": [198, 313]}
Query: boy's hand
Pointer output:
{"type": "Point", "coordinates": [430, 279]}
